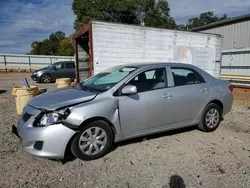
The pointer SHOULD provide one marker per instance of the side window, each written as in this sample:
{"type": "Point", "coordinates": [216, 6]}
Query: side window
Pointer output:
{"type": "Point", "coordinates": [70, 65]}
{"type": "Point", "coordinates": [150, 80]}
{"type": "Point", "coordinates": [185, 76]}
{"type": "Point", "coordinates": [59, 65]}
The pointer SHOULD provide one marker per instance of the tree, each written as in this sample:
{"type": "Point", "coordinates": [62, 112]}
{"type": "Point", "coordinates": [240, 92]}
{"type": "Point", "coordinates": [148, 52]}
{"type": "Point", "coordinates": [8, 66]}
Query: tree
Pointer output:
{"type": "Point", "coordinates": [181, 27]}
{"type": "Point", "coordinates": [159, 16]}
{"type": "Point", "coordinates": [126, 11]}
{"type": "Point", "coordinates": [204, 19]}
{"type": "Point", "coordinates": [46, 48]}
{"type": "Point", "coordinates": [56, 44]}
{"type": "Point", "coordinates": [66, 48]}
{"type": "Point", "coordinates": [35, 47]}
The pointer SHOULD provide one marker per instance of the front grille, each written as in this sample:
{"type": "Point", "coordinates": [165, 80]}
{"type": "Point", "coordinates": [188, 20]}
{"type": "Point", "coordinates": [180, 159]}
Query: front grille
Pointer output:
{"type": "Point", "coordinates": [26, 117]}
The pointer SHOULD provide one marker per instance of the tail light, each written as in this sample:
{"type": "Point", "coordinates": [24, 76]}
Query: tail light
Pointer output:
{"type": "Point", "coordinates": [231, 87]}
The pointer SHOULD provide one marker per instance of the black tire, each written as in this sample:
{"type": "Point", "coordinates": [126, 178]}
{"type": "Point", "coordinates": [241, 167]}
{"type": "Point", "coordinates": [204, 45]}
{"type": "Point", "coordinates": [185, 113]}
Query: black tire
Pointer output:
{"type": "Point", "coordinates": [75, 148]}
{"type": "Point", "coordinates": [45, 78]}
{"type": "Point", "coordinates": [203, 125]}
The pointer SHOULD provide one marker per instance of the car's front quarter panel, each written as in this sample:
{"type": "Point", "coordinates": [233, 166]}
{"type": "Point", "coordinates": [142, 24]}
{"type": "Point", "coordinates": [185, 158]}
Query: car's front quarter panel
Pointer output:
{"type": "Point", "coordinates": [103, 106]}
{"type": "Point", "coordinates": [37, 75]}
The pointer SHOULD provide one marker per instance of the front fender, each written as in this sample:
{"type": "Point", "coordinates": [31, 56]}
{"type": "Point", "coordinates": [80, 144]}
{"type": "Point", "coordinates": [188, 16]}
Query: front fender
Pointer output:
{"type": "Point", "coordinates": [104, 107]}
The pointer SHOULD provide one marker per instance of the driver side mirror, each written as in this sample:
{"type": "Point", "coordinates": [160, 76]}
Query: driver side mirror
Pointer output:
{"type": "Point", "coordinates": [129, 89]}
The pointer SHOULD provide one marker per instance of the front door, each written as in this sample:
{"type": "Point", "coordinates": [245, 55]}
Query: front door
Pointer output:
{"type": "Point", "coordinates": [151, 108]}
{"type": "Point", "coordinates": [58, 70]}
{"type": "Point", "coordinates": [190, 94]}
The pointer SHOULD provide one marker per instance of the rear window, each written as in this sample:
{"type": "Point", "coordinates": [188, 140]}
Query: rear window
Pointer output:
{"type": "Point", "coordinates": [185, 76]}
{"type": "Point", "coordinates": [70, 65]}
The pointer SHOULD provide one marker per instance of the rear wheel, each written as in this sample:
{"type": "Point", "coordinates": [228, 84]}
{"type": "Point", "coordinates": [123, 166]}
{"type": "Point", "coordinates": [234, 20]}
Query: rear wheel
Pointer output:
{"type": "Point", "coordinates": [45, 78]}
{"type": "Point", "coordinates": [211, 118]}
{"type": "Point", "coordinates": [93, 142]}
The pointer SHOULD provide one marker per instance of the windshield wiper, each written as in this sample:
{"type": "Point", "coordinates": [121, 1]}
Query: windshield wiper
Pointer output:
{"type": "Point", "coordinates": [81, 87]}
{"type": "Point", "coordinates": [87, 88]}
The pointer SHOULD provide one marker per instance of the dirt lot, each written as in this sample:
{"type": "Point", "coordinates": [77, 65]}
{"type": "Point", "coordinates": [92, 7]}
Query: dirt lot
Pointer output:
{"type": "Point", "coordinates": [183, 158]}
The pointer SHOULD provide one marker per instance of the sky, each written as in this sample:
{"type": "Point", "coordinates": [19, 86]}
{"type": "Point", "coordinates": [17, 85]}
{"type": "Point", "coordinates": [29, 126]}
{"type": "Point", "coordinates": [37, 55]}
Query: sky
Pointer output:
{"type": "Point", "coordinates": [25, 21]}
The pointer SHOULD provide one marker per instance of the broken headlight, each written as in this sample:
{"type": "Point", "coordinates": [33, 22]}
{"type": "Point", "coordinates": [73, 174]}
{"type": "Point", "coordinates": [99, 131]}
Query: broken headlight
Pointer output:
{"type": "Point", "coordinates": [53, 118]}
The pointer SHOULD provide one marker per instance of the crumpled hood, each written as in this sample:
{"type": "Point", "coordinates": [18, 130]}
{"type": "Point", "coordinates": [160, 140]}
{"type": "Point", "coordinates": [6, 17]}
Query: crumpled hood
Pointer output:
{"type": "Point", "coordinates": [60, 98]}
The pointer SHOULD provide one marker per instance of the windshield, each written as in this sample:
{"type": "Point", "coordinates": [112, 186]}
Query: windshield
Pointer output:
{"type": "Point", "coordinates": [103, 81]}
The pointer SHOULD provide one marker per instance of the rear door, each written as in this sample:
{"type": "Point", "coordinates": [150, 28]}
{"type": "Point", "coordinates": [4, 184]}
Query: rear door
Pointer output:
{"type": "Point", "coordinates": [70, 70]}
{"type": "Point", "coordinates": [190, 94]}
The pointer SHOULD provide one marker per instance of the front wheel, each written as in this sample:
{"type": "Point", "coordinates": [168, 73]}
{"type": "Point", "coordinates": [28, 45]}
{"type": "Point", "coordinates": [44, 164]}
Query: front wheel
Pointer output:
{"type": "Point", "coordinates": [93, 142]}
{"type": "Point", "coordinates": [45, 78]}
{"type": "Point", "coordinates": [211, 118]}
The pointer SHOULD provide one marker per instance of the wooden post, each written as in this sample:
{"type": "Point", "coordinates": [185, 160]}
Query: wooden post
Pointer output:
{"type": "Point", "coordinates": [29, 63]}
{"type": "Point", "coordinates": [5, 63]}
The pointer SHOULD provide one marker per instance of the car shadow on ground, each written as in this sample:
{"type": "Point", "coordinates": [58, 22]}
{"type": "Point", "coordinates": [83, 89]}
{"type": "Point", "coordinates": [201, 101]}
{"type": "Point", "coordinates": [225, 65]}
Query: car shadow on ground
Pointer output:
{"type": "Point", "coordinates": [70, 157]}
{"type": "Point", "coordinates": [153, 136]}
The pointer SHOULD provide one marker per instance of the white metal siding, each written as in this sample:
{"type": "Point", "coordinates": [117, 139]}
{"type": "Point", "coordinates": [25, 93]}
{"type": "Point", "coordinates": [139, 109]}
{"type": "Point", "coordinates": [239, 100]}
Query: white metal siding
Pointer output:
{"type": "Point", "coordinates": [235, 36]}
{"type": "Point", "coordinates": [115, 44]}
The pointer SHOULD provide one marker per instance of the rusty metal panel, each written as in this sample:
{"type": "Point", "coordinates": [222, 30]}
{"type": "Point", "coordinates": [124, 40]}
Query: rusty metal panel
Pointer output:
{"type": "Point", "coordinates": [115, 44]}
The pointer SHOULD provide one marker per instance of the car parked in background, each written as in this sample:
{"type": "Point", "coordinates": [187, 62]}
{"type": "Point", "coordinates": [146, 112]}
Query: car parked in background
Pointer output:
{"type": "Point", "coordinates": [121, 103]}
{"type": "Point", "coordinates": [62, 69]}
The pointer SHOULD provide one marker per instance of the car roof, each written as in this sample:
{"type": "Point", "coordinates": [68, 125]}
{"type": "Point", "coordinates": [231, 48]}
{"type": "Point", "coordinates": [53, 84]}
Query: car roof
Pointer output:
{"type": "Point", "coordinates": [147, 64]}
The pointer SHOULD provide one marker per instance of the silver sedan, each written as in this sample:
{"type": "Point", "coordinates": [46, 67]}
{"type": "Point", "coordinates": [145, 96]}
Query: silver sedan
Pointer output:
{"type": "Point", "coordinates": [121, 103]}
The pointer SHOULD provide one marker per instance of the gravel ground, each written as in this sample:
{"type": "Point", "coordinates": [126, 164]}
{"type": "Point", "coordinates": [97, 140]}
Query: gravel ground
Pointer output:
{"type": "Point", "coordinates": [182, 158]}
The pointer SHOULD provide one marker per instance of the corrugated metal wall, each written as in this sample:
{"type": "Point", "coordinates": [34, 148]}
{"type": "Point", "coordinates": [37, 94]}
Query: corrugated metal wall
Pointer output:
{"type": "Point", "coordinates": [236, 62]}
{"type": "Point", "coordinates": [235, 36]}
{"type": "Point", "coordinates": [28, 62]}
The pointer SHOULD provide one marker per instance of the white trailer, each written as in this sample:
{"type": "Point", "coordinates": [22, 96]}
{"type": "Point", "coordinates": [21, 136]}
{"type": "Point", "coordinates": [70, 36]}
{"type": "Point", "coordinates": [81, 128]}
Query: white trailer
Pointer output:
{"type": "Point", "coordinates": [100, 45]}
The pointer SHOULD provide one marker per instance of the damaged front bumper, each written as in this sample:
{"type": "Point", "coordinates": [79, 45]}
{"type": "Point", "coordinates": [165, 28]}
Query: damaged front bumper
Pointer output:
{"type": "Point", "coordinates": [50, 141]}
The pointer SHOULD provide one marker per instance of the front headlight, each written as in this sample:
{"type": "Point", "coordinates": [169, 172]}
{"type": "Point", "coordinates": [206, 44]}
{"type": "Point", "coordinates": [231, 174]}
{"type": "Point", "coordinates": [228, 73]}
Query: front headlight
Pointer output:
{"type": "Point", "coordinates": [50, 119]}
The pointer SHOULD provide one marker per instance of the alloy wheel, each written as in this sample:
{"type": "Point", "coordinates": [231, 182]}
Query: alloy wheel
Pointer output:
{"type": "Point", "coordinates": [46, 78]}
{"type": "Point", "coordinates": [92, 140]}
{"type": "Point", "coordinates": [212, 118]}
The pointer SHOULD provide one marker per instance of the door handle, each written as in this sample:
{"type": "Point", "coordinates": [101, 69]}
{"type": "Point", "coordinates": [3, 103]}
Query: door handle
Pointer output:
{"type": "Point", "coordinates": [167, 95]}
{"type": "Point", "coordinates": [204, 90]}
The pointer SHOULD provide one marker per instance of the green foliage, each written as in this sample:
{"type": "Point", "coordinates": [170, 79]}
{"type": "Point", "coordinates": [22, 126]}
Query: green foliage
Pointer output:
{"type": "Point", "coordinates": [160, 17]}
{"type": "Point", "coordinates": [204, 19]}
{"type": "Point", "coordinates": [56, 44]}
{"type": "Point", "coordinates": [152, 13]}
{"type": "Point", "coordinates": [66, 48]}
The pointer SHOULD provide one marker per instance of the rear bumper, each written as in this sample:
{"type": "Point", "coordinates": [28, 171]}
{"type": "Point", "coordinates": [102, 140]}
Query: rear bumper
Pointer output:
{"type": "Point", "coordinates": [227, 103]}
{"type": "Point", "coordinates": [48, 142]}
